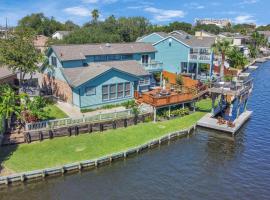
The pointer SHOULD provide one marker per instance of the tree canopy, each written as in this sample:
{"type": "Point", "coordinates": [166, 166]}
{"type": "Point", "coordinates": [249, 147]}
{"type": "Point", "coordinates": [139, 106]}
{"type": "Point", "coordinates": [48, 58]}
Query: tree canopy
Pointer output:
{"type": "Point", "coordinates": [18, 53]}
{"type": "Point", "coordinates": [43, 25]}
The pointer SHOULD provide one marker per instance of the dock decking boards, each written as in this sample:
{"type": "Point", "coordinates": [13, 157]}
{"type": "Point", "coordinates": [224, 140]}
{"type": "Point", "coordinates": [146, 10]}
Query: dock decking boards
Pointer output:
{"type": "Point", "coordinates": [209, 122]}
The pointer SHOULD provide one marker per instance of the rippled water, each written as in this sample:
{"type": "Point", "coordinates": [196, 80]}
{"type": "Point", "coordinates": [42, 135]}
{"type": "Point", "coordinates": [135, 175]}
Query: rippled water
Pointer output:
{"type": "Point", "coordinates": [208, 165]}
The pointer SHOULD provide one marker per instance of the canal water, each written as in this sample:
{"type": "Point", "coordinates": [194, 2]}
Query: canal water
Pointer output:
{"type": "Point", "coordinates": [209, 165]}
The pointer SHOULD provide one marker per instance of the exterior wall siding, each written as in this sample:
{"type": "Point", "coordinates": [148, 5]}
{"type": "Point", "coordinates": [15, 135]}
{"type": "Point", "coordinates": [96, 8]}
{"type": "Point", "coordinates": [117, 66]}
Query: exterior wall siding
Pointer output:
{"type": "Point", "coordinates": [111, 77]}
{"type": "Point", "coordinates": [172, 54]}
{"type": "Point", "coordinates": [59, 88]}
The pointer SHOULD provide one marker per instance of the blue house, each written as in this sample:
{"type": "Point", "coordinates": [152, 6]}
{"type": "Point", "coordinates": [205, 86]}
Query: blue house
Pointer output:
{"type": "Point", "coordinates": [93, 75]}
{"type": "Point", "coordinates": [183, 53]}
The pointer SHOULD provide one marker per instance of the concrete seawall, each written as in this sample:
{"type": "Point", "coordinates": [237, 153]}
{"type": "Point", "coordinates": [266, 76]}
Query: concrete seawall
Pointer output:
{"type": "Point", "coordinates": [88, 164]}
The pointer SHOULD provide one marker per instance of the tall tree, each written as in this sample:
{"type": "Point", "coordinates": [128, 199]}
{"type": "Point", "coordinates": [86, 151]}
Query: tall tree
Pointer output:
{"type": "Point", "coordinates": [95, 15]}
{"type": "Point", "coordinates": [9, 103]}
{"type": "Point", "coordinates": [237, 59]}
{"type": "Point", "coordinates": [222, 48]}
{"type": "Point", "coordinates": [18, 53]}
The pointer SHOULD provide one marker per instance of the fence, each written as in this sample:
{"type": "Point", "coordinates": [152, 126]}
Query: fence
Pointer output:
{"type": "Point", "coordinates": [50, 124]}
{"type": "Point", "coordinates": [85, 126]}
{"type": "Point", "coordinates": [87, 164]}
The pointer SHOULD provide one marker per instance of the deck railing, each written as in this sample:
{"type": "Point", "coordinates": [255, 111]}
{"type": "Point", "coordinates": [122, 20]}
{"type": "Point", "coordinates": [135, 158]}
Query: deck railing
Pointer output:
{"type": "Point", "coordinates": [50, 124]}
{"type": "Point", "coordinates": [200, 57]}
{"type": "Point", "coordinates": [181, 95]}
{"type": "Point", "coordinates": [153, 66]}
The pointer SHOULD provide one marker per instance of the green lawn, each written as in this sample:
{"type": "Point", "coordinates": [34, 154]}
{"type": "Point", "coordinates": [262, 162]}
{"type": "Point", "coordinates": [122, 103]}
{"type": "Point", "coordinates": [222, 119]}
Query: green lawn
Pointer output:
{"type": "Point", "coordinates": [53, 112]}
{"type": "Point", "coordinates": [205, 105]}
{"type": "Point", "coordinates": [59, 151]}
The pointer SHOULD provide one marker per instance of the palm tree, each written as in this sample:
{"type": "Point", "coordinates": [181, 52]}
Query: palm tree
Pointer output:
{"type": "Point", "coordinates": [237, 59]}
{"type": "Point", "coordinates": [95, 15]}
{"type": "Point", "coordinates": [222, 47]}
{"type": "Point", "coordinates": [258, 40]}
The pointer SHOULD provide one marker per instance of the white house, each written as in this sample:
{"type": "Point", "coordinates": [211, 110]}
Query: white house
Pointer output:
{"type": "Point", "coordinates": [60, 34]}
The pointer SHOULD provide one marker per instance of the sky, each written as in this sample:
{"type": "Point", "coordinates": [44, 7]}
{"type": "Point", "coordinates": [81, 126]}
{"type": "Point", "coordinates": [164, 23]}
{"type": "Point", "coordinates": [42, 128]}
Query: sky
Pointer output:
{"type": "Point", "coordinates": [157, 11]}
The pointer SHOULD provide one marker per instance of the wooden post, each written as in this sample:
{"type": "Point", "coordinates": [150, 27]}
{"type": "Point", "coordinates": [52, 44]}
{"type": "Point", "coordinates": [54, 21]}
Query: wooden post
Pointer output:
{"type": "Point", "coordinates": [169, 111]}
{"type": "Point", "coordinates": [155, 114]}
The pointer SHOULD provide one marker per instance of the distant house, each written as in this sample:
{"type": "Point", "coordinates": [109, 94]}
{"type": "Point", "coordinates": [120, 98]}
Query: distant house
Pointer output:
{"type": "Point", "coordinates": [266, 34]}
{"type": "Point", "coordinates": [92, 75]}
{"type": "Point", "coordinates": [7, 76]}
{"type": "Point", "coordinates": [40, 42]}
{"type": "Point", "coordinates": [181, 52]}
{"type": "Point", "coordinates": [60, 34]}
{"type": "Point", "coordinates": [203, 33]}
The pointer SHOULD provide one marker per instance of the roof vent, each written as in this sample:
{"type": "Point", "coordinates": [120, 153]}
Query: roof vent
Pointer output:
{"type": "Point", "coordinates": [108, 45]}
{"type": "Point", "coordinates": [187, 37]}
{"type": "Point", "coordinates": [61, 54]}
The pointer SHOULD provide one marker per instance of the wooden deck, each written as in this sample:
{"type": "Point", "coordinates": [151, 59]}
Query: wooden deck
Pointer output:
{"type": "Point", "coordinates": [159, 98]}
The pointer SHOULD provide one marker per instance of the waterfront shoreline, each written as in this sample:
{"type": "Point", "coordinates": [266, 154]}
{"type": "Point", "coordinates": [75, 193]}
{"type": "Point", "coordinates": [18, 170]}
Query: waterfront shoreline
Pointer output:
{"type": "Point", "coordinates": [89, 164]}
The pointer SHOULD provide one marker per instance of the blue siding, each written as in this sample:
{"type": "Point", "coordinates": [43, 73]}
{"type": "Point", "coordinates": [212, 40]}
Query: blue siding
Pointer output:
{"type": "Point", "coordinates": [152, 38]}
{"type": "Point", "coordinates": [73, 63]}
{"type": "Point", "coordinates": [172, 54]}
{"type": "Point", "coordinates": [59, 64]}
{"type": "Point", "coordinates": [111, 77]}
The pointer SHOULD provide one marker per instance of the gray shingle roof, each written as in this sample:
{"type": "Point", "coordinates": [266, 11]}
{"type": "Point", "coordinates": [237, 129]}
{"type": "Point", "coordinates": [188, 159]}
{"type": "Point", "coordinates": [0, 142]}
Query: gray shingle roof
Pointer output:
{"type": "Point", "coordinates": [194, 42]}
{"type": "Point", "coordinates": [78, 52]}
{"type": "Point", "coordinates": [78, 75]}
{"type": "Point", "coordinates": [5, 72]}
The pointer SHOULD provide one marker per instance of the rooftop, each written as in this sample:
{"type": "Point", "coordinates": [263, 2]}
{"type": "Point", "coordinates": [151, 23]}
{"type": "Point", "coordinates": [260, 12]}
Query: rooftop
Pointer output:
{"type": "Point", "coordinates": [79, 52]}
{"type": "Point", "coordinates": [79, 75]}
{"type": "Point", "coordinates": [5, 72]}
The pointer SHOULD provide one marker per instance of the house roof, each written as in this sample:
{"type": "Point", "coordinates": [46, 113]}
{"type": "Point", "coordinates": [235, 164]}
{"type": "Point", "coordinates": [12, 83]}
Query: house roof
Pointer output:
{"type": "Point", "coordinates": [192, 41]}
{"type": "Point", "coordinates": [265, 33]}
{"type": "Point", "coordinates": [79, 52]}
{"type": "Point", "coordinates": [63, 32]}
{"type": "Point", "coordinates": [78, 75]}
{"type": "Point", "coordinates": [5, 72]}
{"type": "Point", "coordinates": [208, 33]}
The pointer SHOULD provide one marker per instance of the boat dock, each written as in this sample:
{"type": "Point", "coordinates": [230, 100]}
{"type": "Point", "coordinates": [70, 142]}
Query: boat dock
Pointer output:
{"type": "Point", "coordinates": [212, 123]}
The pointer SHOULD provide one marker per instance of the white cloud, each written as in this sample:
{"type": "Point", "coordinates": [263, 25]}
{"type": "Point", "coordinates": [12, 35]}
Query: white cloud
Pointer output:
{"type": "Point", "coordinates": [78, 11]}
{"type": "Point", "coordinates": [162, 15]}
{"type": "Point", "coordinates": [241, 19]}
{"type": "Point", "coordinates": [249, 1]}
{"type": "Point", "coordinates": [194, 5]}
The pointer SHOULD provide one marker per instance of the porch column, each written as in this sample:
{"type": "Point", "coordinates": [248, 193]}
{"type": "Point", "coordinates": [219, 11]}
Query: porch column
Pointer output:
{"type": "Point", "coordinates": [197, 71]}
{"type": "Point", "coordinates": [169, 111]}
{"type": "Point", "coordinates": [155, 115]}
{"type": "Point", "coordinates": [213, 103]}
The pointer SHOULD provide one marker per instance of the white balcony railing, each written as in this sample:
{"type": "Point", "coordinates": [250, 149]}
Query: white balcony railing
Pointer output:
{"type": "Point", "coordinates": [153, 66]}
{"type": "Point", "coordinates": [200, 57]}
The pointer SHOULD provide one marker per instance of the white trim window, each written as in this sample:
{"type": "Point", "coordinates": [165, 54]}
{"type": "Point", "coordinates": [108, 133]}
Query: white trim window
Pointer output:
{"type": "Point", "coordinates": [120, 90]}
{"type": "Point", "coordinates": [145, 59]}
{"type": "Point", "coordinates": [105, 92]}
{"type": "Point", "coordinates": [113, 91]}
{"type": "Point", "coordinates": [53, 61]}
{"type": "Point", "coordinates": [127, 89]}
{"type": "Point", "coordinates": [144, 81]}
{"type": "Point", "coordinates": [89, 91]}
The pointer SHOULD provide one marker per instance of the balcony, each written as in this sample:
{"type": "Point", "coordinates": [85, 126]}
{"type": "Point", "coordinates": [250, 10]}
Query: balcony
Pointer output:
{"type": "Point", "coordinates": [200, 57]}
{"type": "Point", "coordinates": [153, 66]}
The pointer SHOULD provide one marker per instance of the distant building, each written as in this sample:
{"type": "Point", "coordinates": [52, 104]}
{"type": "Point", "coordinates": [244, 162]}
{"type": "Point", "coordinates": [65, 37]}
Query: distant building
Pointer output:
{"type": "Point", "coordinates": [218, 22]}
{"type": "Point", "coordinates": [203, 33]}
{"type": "Point", "coordinates": [181, 52]}
{"type": "Point", "coordinates": [7, 76]}
{"type": "Point", "coordinates": [60, 34]}
{"type": "Point", "coordinates": [266, 34]}
{"type": "Point", "coordinates": [40, 43]}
